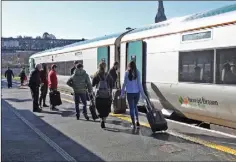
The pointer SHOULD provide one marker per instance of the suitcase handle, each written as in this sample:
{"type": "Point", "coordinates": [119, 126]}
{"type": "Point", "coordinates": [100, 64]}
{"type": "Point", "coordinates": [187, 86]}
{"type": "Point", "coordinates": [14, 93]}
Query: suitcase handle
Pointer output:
{"type": "Point", "coordinates": [91, 98]}
{"type": "Point", "coordinates": [148, 105]}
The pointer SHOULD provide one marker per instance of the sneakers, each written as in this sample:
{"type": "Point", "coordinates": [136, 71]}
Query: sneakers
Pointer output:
{"type": "Point", "coordinates": [77, 117]}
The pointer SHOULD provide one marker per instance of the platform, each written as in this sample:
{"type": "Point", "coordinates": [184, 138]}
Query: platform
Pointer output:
{"type": "Point", "coordinates": [58, 136]}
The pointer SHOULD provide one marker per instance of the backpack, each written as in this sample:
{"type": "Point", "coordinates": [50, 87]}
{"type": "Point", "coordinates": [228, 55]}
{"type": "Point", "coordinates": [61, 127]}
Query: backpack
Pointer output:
{"type": "Point", "coordinates": [103, 89]}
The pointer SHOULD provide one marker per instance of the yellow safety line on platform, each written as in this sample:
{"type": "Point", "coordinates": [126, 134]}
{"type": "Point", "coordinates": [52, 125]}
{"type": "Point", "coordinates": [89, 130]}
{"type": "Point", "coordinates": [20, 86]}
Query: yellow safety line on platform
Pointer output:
{"type": "Point", "coordinates": [188, 138]}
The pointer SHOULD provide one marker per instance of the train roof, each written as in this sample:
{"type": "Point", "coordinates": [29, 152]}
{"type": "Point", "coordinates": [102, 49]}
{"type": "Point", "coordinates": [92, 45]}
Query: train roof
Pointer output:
{"type": "Point", "coordinates": [111, 38]}
{"type": "Point", "coordinates": [191, 17]}
{"type": "Point", "coordinates": [180, 22]}
{"type": "Point", "coordinates": [152, 29]}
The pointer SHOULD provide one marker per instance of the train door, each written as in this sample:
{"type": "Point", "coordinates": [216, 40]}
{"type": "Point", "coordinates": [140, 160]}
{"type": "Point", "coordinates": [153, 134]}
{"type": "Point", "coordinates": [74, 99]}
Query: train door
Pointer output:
{"type": "Point", "coordinates": [136, 51]}
{"type": "Point", "coordinates": [103, 54]}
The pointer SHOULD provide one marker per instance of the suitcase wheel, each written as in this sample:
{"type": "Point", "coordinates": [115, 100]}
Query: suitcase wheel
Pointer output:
{"type": "Point", "coordinates": [153, 130]}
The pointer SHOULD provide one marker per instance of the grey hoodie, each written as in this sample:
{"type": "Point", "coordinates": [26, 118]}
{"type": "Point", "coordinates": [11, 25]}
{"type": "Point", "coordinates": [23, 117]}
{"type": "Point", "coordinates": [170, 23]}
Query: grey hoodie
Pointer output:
{"type": "Point", "coordinates": [80, 81]}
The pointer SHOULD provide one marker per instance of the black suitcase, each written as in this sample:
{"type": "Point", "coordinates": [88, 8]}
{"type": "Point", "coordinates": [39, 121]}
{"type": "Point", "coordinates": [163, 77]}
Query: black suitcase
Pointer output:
{"type": "Point", "coordinates": [119, 104]}
{"type": "Point", "coordinates": [155, 118]}
{"type": "Point", "coordinates": [92, 107]}
{"type": "Point", "coordinates": [55, 98]}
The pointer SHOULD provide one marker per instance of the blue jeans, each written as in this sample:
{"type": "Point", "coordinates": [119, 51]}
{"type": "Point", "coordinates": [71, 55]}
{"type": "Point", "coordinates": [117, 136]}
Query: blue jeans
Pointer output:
{"type": "Point", "coordinates": [133, 99]}
{"type": "Point", "coordinates": [83, 98]}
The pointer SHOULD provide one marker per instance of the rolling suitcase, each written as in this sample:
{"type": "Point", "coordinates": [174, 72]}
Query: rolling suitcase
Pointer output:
{"type": "Point", "coordinates": [55, 98]}
{"type": "Point", "coordinates": [119, 103]}
{"type": "Point", "coordinates": [92, 108]}
{"type": "Point", "coordinates": [155, 118]}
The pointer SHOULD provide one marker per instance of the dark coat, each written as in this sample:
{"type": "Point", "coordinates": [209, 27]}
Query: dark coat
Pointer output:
{"type": "Point", "coordinates": [44, 77]}
{"type": "Point", "coordinates": [114, 75]}
{"type": "Point", "coordinates": [22, 75]}
{"type": "Point", "coordinates": [72, 70]}
{"type": "Point", "coordinates": [9, 74]}
{"type": "Point", "coordinates": [34, 79]}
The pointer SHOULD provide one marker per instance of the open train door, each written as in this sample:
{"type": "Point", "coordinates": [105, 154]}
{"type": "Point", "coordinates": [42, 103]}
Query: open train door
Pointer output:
{"type": "Point", "coordinates": [103, 54]}
{"type": "Point", "coordinates": [136, 51]}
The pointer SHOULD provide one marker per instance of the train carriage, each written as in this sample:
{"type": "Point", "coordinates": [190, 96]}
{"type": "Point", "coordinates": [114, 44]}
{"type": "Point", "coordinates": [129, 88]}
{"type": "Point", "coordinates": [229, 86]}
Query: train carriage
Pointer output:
{"type": "Point", "coordinates": [182, 63]}
{"type": "Point", "coordinates": [187, 63]}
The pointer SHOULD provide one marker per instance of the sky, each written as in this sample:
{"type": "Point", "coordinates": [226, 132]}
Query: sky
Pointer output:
{"type": "Point", "coordinates": [89, 19]}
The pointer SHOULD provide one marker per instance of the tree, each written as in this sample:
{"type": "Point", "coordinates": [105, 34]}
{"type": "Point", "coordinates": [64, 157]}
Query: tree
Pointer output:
{"type": "Point", "coordinates": [45, 35]}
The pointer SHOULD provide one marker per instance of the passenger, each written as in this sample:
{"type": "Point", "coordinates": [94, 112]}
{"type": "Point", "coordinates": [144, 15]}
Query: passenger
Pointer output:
{"type": "Point", "coordinates": [233, 69]}
{"type": "Point", "coordinates": [103, 82]}
{"type": "Point", "coordinates": [132, 84]}
{"type": "Point", "coordinates": [74, 67]}
{"type": "Point", "coordinates": [34, 83]}
{"type": "Point", "coordinates": [197, 74]}
{"type": "Point", "coordinates": [44, 86]}
{"type": "Point", "coordinates": [227, 74]}
{"type": "Point", "coordinates": [52, 82]}
{"type": "Point", "coordinates": [80, 82]}
{"type": "Point", "coordinates": [22, 76]}
{"type": "Point", "coordinates": [113, 73]}
{"type": "Point", "coordinates": [72, 72]}
{"type": "Point", "coordinates": [9, 75]}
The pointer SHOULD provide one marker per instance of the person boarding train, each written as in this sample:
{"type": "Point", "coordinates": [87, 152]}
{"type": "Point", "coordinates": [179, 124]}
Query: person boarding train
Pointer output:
{"type": "Point", "coordinates": [132, 84]}
{"type": "Point", "coordinates": [103, 98]}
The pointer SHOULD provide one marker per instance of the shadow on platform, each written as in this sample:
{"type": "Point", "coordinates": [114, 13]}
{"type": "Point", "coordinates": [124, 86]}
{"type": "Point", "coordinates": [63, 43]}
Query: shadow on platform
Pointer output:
{"type": "Point", "coordinates": [73, 148]}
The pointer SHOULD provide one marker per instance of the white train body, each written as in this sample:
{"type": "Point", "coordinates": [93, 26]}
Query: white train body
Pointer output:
{"type": "Point", "coordinates": [181, 61]}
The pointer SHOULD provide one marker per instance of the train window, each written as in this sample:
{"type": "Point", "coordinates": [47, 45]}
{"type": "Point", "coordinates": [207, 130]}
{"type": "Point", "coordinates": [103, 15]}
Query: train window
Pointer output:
{"type": "Point", "coordinates": [225, 66]}
{"type": "Point", "coordinates": [196, 66]}
{"type": "Point", "coordinates": [60, 68]}
{"type": "Point", "coordinates": [69, 65]}
{"type": "Point", "coordinates": [196, 36]}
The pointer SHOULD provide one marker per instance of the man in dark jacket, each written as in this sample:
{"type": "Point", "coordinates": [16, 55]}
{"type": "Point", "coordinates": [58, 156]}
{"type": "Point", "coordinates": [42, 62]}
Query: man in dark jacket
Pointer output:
{"type": "Point", "coordinates": [22, 76]}
{"type": "Point", "coordinates": [74, 67]}
{"type": "Point", "coordinates": [9, 75]}
{"type": "Point", "coordinates": [113, 73]}
{"type": "Point", "coordinates": [44, 85]}
{"type": "Point", "coordinates": [34, 83]}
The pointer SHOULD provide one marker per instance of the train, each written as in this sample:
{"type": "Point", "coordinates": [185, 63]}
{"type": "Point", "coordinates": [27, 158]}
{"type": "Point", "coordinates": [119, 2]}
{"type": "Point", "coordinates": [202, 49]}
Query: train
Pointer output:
{"type": "Point", "coordinates": [187, 64]}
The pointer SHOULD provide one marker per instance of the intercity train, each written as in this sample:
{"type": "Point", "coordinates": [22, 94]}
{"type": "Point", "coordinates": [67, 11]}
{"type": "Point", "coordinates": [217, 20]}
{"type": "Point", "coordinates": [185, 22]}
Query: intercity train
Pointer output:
{"type": "Point", "coordinates": [187, 63]}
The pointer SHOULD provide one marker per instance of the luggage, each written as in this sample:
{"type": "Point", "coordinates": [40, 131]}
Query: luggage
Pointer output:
{"type": "Point", "coordinates": [155, 118]}
{"type": "Point", "coordinates": [119, 104]}
{"type": "Point", "coordinates": [103, 89]}
{"type": "Point", "coordinates": [55, 98]}
{"type": "Point", "coordinates": [92, 108]}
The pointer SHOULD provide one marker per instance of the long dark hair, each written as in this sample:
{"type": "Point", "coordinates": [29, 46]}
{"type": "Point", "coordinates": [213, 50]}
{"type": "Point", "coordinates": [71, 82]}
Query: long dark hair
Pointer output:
{"type": "Point", "coordinates": [44, 67]}
{"type": "Point", "coordinates": [132, 70]}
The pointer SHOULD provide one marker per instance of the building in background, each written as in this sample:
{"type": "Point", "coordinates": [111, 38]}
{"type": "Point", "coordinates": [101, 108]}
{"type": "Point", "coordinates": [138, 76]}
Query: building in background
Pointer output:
{"type": "Point", "coordinates": [16, 51]}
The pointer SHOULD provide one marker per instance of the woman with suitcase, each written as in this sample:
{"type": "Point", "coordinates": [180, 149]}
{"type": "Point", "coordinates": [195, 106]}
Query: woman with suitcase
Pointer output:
{"type": "Point", "coordinates": [103, 97]}
{"type": "Point", "coordinates": [132, 84]}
